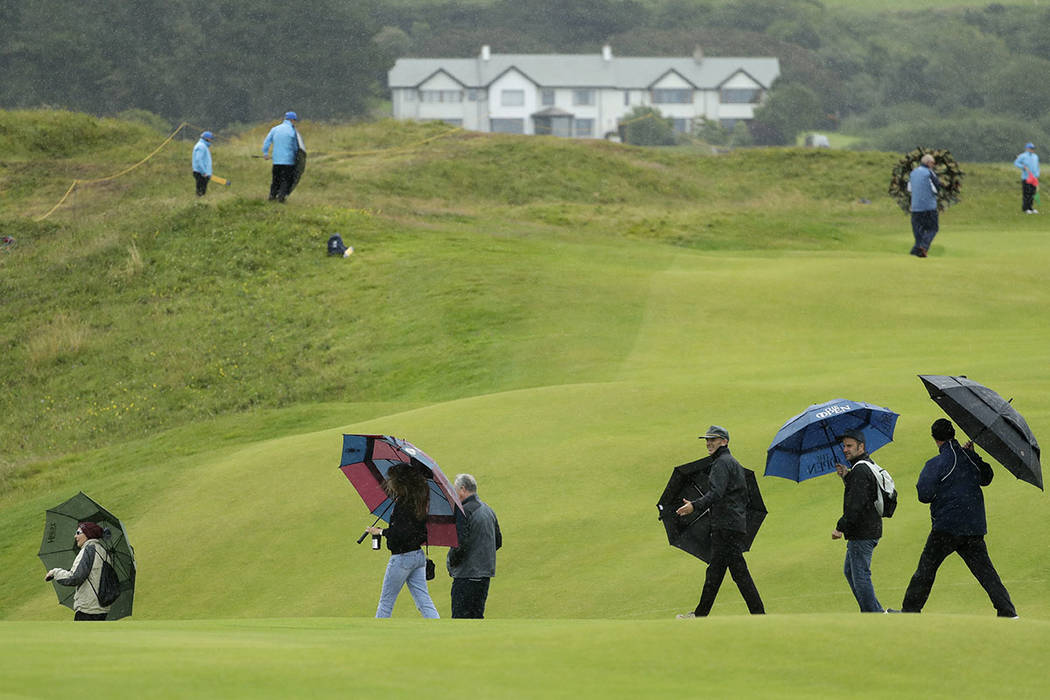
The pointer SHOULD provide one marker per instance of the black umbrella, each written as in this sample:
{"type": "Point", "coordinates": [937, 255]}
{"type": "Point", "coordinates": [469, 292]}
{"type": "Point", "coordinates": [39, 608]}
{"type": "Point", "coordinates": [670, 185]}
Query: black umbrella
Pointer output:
{"type": "Point", "coordinates": [58, 550]}
{"type": "Point", "coordinates": [990, 421]}
{"type": "Point", "coordinates": [692, 533]}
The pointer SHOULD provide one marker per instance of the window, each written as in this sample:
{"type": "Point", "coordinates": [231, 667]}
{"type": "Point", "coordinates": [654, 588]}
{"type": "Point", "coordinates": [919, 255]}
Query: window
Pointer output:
{"type": "Point", "coordinates": [583, 97]}
{"type": "Point", "coordinates": [440, 95]}
{"type": "Point", "coordinates": [728, 124]}
{"type": "Point", "coordinates": [547, 97]}
{"type": "Point", "coordinates": [410, 95]}
{"type": "Point", "coordinates": [512, 98]}
{"type": "Point", "coordinates": [740, 96]}
{"type": "Point", "coordinates": [626, 97]}
{"type": "Point", "coordinates": [678, 97]}
{"type": "Point", "coordinates": [583, 127]}
{"type": "Point", "coordinates": [507, 126]}
{"type": "Point", "coordinates": [476, 95]}
{"type": "Point", "coordinates": [681, 126]}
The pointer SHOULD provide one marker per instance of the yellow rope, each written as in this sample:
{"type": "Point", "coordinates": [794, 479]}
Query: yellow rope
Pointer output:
{"type": "Point", "coordinates": [125, 171]}
{"type": "Point", "coordinates": [409, 147]}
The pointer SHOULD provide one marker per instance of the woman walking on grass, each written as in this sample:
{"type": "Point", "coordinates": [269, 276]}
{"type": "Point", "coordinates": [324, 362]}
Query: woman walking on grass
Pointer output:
{"type": "Point", "coordinates": [407, 486]}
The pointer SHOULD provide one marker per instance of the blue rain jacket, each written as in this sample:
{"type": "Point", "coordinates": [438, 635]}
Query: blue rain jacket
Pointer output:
{"type": "Point", "coordinates": [923, 187]}
{"type": "Point", "coordinates": [1028, 163]}
{"type": "Point", "coordinates": [202, 158]}
{"type": "Point", "coordinates": [951, 483]}
{"type": "Point", "coordinates": [285, 143]}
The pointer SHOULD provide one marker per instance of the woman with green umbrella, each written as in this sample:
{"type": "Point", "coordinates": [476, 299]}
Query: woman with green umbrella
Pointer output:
{"type": "Point", "coordinates": [86, 574]}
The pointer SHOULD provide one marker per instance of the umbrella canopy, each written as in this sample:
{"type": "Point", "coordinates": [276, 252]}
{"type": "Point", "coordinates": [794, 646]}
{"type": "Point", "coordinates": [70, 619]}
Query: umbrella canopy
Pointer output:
{"type": "Point", "coordinates": [692, 533]}
{"type": "Point", "coordinates": [807, 445]}
{"type": "Point", "coordinates": [990, 421]}
{"type": "Point", "coordinates": [58, 550]}
{"type": "Point", "coordinates": [365, 462]}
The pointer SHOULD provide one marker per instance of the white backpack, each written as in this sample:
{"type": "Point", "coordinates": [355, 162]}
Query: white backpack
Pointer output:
{"type": "Point", "coordinates": [886, 493]}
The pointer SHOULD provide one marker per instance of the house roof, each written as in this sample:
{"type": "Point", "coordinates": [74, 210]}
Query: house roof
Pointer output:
{"type": "Point", "coordinates": [584, 70]}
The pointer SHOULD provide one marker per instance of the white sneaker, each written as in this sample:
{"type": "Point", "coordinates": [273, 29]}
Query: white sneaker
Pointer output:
{"type": "Point", "coordinates": [1033, 211]}
{"type": "Point", "coordinates": [685, 616]}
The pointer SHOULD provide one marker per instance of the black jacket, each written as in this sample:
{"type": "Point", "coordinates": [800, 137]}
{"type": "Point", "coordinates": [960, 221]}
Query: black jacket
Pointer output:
{"type": "Point", "coordinates": [727, 493]}
{"type": "Point", "coordinates": [951, 483]}
{"type": "Point", "coordinates": [479, 538]}
{"type": "Point", "coordinates": [406, 533]}
{"type": "Point", "coordinates": [860, 520]}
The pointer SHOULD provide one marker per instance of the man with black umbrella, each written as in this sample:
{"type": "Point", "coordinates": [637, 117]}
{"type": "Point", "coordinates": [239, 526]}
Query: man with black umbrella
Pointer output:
{"type": "Point", "coordinates": [727, 499]}
{"type": "Point", "coordinates": [951, 483]}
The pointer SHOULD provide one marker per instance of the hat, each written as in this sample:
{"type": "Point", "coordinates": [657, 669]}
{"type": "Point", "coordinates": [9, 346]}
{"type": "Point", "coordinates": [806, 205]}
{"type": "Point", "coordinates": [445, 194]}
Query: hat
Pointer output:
{"type": "Point", "coordinates": [208, 135]}
{"type": "Point", "coordinates": [1030, 145]}
{"type": "Point", "coordinates": [93, 531]}
{"type": "Point", "coordinates": [291, 115]}
{"type": "Point", "coordinates": [942, 429]}
{"type": "Point", "coordinates": [852, 435]}
{"type": "Point", "coordinates": [715, 431]}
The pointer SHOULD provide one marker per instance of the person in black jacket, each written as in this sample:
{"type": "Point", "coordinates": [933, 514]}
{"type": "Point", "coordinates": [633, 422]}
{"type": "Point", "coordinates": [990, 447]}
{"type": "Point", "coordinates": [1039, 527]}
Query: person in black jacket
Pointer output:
{"type": "Point", "coordinates": [951, 483]}
{"type": "Point", "coordinates": [727, 499]}
{"type": "Point", "coordinates": [407, 486]}
{"type": "Point", "coordinates": [860, 523]}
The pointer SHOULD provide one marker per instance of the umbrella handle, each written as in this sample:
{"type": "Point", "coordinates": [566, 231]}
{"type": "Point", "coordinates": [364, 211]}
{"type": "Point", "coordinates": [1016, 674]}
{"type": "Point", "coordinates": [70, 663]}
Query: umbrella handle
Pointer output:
{"type": "Point", "coordinates": [362, 537]}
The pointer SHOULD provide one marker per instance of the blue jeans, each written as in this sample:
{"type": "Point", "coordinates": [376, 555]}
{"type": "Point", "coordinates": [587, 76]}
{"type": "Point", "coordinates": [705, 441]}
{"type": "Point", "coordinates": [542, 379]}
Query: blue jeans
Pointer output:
{"type": "Point", "coordinates": [408, 568]}
{"type": "Point", "coordinates": [858, 573]}
{"type": "Point", "coordinates": [924, 227]}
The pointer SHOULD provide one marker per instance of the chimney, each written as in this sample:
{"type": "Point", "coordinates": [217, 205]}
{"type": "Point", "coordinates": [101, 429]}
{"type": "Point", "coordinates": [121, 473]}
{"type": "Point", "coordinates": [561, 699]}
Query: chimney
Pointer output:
{"type": "Point", "coordinates": [698, 54]}
{"type": "Point", "coordinates": [606, 53]}
{"type": "Point", "coordinates": [486, 53]}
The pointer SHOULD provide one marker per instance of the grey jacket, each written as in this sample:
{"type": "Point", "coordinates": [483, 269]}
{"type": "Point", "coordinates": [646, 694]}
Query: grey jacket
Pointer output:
{"type": "Point", "coordinates": [479, 538]}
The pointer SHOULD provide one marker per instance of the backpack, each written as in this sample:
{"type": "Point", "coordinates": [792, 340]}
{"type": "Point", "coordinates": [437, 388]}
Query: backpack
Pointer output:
{"type": "Point", "coordinates": [886, 493]}
{"type": "Point", "coordinates": [336, 245]}
{"type": "Point", "coordinates": [108, 585]}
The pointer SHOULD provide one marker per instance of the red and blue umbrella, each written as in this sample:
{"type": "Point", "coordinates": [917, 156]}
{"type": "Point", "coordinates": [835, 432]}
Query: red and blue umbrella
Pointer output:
{"type": "Point", "coordinates": [365, 462]}
{"type": "Point", "coordinates": [807, 445]}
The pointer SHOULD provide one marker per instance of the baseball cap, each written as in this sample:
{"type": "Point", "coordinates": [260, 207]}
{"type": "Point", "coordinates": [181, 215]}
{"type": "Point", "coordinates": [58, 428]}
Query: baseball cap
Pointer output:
{"type": "Point", "coordinates": [715, 431]}
{"type": "Point", "coordinates": [1030, 145]}
{"type": "Point", "coordinates": [291, 115]}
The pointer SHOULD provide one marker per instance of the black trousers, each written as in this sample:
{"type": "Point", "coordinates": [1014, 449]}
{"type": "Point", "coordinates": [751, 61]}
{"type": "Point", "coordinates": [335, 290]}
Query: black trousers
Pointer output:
{"type": "Point", "coordinates": [974, 552]}
{"type": "Point", "coordinates": [1027, 196]}
{"type": "Point", "coordinates": [727, 552]}
{"type": "Point", "coordinates": [469, 596]}
{"type": "Point", "coordinates": [202, 183]}
{"type": "Point", "coordinates": [281, 182]}
{"type": "Point", "coordinates": [88, 617]}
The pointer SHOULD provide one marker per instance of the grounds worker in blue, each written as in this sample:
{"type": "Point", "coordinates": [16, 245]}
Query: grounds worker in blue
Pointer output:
{"type": "Point", "coordinates": [1028, 162]}
{"type": "Point", "coordinates": [951, 483]}
{"type": "Point", "coordinates": [285, 142]}
{"type": "Point", "coordinates": [202, 162]}
{"type": "Point", "coordinates": [473, 563]}
{"type": "Point", "coordinates": [727, 499]}
{"type": "Point", "coordinates": [923, 185]}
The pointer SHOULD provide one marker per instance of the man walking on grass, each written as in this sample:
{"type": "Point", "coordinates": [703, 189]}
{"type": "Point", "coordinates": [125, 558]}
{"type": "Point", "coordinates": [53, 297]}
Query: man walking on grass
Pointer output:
{"type": "Point", "coordinates": [923, 185]}
{"type": "Point", "coordinates": [861, 523]}
{"type": "Point", "coordinates": [951, 483]}
{"type": "Point", "coordinates": [727, 499]}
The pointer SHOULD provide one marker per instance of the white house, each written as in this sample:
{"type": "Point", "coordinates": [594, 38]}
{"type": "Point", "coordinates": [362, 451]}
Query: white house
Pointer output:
{"type": "Point", "coordinates": [575, 94]}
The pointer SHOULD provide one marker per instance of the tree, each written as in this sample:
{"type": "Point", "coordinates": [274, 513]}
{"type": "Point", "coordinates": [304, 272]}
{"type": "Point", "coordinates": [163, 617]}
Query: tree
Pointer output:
{"type": "Point", "coordinates": [645, 126]}
{"type": "Point", "coordinates": [788, 110]}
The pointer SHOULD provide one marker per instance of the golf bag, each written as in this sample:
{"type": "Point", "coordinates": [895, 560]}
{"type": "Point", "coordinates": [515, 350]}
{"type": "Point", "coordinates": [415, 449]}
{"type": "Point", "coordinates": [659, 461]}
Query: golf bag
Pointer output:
{"type": "Point", "coordinates": [886, 493]}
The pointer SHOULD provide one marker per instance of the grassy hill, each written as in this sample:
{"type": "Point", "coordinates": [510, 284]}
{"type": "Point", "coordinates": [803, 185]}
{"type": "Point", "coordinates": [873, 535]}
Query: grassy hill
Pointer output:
{"type": "Point", "coordinates": [560, 319]}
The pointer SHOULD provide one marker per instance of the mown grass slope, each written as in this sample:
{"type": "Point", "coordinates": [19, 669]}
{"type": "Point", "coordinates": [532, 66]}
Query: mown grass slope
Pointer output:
{"type": "Point", "coordinates": [559, 318]}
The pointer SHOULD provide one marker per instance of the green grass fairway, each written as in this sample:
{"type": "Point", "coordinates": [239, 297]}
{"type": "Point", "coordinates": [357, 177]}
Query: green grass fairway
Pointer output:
{"type": "Point", "coordinates": [778, 656]}
{"type": "Point", "coordinates": [559, 318]}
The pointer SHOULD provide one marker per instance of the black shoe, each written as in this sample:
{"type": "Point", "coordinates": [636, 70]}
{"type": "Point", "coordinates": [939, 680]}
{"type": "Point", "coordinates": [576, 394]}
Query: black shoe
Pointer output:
{"type": "Point", "coordinates": [890, 610]}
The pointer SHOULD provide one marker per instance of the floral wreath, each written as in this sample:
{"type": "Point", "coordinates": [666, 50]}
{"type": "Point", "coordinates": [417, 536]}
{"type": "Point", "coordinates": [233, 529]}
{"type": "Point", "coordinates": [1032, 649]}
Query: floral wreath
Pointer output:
{"type": "Point", "coordinates": [944, 165]}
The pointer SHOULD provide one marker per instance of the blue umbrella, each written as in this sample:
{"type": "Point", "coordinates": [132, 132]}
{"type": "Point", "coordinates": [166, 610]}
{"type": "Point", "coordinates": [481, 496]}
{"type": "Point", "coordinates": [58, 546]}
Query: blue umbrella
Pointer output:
{"type": "Point", "coordinates": [807, 445]}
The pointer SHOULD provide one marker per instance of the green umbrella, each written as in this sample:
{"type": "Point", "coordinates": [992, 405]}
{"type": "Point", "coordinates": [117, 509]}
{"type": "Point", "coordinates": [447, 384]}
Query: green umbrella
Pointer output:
{"type": "Point", "coordinates": [58, 550]}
